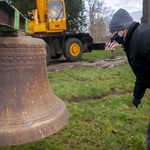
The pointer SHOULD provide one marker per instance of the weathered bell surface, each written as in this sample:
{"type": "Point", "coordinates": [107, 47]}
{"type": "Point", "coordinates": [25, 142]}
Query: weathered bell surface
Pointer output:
{"type": "Point", "coordinates": [29, 110]}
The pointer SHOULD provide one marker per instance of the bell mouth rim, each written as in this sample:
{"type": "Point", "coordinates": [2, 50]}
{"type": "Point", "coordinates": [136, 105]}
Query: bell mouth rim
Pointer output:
{"type": "Point", "coordinates": [37, 130]}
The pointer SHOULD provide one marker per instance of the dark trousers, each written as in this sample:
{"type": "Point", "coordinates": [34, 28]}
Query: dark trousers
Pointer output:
{"type": "Point", "coordinates": [148, 136]}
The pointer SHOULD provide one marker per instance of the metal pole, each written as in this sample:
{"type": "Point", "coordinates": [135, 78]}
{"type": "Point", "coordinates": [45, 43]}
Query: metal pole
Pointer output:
{"type": "Point", "coordinates": [146, 12]}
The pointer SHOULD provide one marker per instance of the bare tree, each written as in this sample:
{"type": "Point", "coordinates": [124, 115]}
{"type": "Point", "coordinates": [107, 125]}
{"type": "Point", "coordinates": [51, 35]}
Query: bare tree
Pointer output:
{"type": "Point", "coordinates": [98, 15]}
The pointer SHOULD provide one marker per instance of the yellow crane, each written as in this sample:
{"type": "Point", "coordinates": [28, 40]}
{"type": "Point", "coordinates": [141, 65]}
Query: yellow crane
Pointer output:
{"type": "Point", "coordinates": [48, 21]}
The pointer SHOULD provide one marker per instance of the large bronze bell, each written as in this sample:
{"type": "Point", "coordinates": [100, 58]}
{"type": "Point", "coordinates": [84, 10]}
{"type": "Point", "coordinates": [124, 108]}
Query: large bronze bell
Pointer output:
{"type": "Point", "coordinates": [29, 110]}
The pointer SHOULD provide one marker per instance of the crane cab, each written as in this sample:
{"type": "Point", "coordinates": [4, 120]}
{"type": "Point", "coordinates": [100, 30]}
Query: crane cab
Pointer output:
{"type": "Point", "coordinates": [56, 15]}
{"type": "Point", "coordinates": [49, 17]}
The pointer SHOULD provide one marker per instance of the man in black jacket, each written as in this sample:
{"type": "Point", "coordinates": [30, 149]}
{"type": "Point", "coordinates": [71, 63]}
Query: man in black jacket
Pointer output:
{"type": "Point", "coordinates": [135, 39]}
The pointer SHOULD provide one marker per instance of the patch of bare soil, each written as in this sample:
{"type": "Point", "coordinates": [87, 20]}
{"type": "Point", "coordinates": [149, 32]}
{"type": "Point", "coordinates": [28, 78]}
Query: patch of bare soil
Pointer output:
{"type": "Point", "coordinates": [61, 64]}
{"type": "Point", "coordinates": [103, 95]}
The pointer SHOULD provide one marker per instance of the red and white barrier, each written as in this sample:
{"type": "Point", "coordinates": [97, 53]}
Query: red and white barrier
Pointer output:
{"type": "Point", "coordinates": [110, 46]}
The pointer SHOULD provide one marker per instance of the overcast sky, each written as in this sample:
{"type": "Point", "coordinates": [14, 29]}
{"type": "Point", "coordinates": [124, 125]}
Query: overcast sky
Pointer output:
{"type": "Point", "coordinates": [134, 7]}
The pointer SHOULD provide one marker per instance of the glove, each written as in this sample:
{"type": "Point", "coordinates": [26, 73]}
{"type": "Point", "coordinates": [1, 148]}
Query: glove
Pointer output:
{"type": "Point", "coordinates": [136, 102]}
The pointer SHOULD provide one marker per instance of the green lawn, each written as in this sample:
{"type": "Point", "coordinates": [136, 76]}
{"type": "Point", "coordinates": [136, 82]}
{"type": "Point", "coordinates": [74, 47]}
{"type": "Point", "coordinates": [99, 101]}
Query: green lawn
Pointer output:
{"type": "Point", "coordinates": [99, 102]}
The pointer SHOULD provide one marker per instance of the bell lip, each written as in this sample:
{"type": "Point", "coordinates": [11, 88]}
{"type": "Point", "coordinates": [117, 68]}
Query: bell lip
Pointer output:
{"type": "Point", "coordinates": [37, 131]}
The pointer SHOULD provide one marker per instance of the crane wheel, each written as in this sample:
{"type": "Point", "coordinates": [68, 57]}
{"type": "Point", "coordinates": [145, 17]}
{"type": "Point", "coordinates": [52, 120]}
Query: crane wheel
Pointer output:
{"type": "Point", "coordinates": [48, 53]}
{"type": "Point", "coordinates": [73, 49]}
{"type": "Point", "coordinates": [57, 56]}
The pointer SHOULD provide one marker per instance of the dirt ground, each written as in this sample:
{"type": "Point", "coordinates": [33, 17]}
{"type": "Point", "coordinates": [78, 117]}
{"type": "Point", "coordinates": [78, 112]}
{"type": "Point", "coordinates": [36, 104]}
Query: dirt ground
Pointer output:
{"type": "Point", "coordinates": [61, 64]}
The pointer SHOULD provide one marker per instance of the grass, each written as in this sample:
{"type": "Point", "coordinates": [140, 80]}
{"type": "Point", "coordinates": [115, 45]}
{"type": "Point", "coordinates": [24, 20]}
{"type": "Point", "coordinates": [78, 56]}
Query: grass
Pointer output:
{"type": "Point", "coordinates": [102, 116]}
{"type": "Point", "coordinates": [94, 55]}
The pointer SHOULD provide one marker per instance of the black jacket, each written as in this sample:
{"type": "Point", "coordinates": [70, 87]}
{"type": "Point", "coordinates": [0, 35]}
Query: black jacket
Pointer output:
{"type": "Point", "coordinates": [137, 49]}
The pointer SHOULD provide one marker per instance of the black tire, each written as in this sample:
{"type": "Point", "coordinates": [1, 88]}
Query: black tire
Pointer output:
{"type": "Point", "coordinates": [57, 56]}
{"type": "Point", "coordinates": [85, 46]}
{"type": "Point", "coordinates": [48, 53]}
{"type": "Point", "coordinates": [73, 49]}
